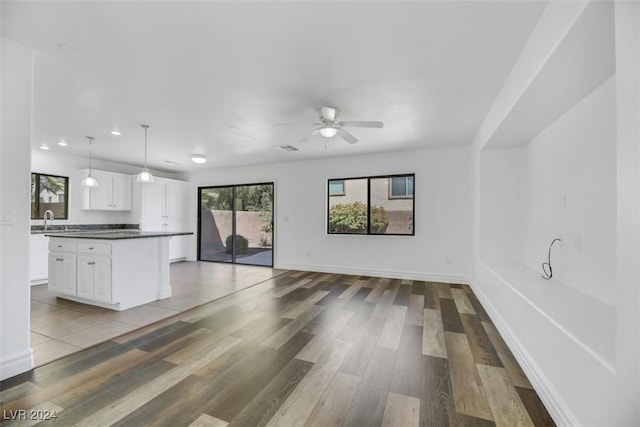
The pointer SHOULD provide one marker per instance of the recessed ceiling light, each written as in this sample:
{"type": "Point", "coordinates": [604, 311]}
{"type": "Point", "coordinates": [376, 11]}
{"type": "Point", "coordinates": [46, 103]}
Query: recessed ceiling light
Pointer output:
{"type": "Point", "coordinates": [115, 132]}
{"type": "Point", "coordinates": [62, 143]}
{"type": "Point", "coordinates": [199, 158]}
{"type": "Point", "coordinates": [44, 146]}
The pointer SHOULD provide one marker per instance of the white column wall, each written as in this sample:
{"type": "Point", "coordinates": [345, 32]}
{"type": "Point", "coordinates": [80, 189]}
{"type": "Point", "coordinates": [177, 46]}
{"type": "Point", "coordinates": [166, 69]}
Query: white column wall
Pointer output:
{"type": "Point", "coordinates": [15, 180]}
{"type": "Point", "coordinates": [627, 402]}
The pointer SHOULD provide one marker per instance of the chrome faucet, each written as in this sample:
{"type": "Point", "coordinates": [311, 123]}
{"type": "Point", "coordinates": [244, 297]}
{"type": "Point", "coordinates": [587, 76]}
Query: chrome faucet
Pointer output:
{"type": "Point", "coordinates": [48, 213]}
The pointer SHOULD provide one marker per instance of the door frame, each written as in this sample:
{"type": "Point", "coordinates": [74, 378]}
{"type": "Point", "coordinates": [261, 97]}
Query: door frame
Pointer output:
{"type": "Point", "coordinates": [233, 221]}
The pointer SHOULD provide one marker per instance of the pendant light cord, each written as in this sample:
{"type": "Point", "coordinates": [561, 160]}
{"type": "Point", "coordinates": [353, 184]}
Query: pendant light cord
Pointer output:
{"type": "Point", "coordinates": [145, 127]}
{"type": "Point", "coordinates": [90, 138]}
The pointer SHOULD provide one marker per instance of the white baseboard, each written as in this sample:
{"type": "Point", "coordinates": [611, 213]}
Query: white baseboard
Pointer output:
{"type": "Point", "coordinates": [16, 363]}
{"type": "Point", "coordinates": [391, 274]}
{"type": "Point", "coordinates": [556, 406]}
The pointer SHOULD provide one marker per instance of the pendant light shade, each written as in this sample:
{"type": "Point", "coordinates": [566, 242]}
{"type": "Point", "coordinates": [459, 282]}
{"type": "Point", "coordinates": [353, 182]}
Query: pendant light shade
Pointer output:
{"type": "Point", "coordinates": [145, 176]}
{"type": "Point", "coordinates": [89, 181]}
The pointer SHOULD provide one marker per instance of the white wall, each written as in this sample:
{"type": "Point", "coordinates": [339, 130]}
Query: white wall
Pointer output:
{"type": "Point", "coordinates": [501, 205]}
{"type": "Point", "coordinates": [440, 249]}
{"type": "Point", "coordinates": [591, 153]}
{"type": "Point", "coordinates": [627, 15]}
{"type": "Point", "coordinates": [15, 140]}
{"type": "Point", "coordinates": [71, 166]}
{"type": "Point", "coordinates": [571, 192]}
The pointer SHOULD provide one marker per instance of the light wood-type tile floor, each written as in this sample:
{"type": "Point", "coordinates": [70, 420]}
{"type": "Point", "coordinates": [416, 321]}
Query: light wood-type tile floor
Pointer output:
{"type": "Point", "coordinates": [299, 349]}
{"type": "Point", "coordinates": [60, 327]}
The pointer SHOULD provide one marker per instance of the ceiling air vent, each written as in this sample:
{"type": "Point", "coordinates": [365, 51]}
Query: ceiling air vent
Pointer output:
{"type": "Point", "coordinates": [289, 148]}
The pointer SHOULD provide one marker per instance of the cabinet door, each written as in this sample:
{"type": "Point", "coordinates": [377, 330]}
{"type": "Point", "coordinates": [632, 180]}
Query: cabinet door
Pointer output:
{"type": "Point", "coordinates": [38, 257]}
{"type": "Point", "coordinates": [102, 279]}
{"type": "Point", "coordinates": [121, 193]}
{"type": "Point", "coordinates": [152, 225]}
{"type": "Point", "coordinates": [178, 244]}
{"type": "Point", "coordinates": [55, 271]}
{"type": "Point", "coordinates": [68, 273]}
{"type": "Point", "coordinates": [100, 196]}
{"type": "Point", "coordinates": [153, 205]}
{"type": "Point", "coordinates": [85, 276]}
{"type": "Point", "coordinates": [177, 203]}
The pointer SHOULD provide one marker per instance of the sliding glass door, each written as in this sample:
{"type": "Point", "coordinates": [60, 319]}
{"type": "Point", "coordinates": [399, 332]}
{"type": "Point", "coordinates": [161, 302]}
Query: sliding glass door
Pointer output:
{"type": "Point", "coordinates": [236, 224]}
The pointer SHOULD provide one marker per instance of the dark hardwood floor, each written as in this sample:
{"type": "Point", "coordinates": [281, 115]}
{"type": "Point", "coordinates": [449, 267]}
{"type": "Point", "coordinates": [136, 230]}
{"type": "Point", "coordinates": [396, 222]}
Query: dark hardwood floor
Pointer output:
{"type": "Point", "coordinates": [301, 349]}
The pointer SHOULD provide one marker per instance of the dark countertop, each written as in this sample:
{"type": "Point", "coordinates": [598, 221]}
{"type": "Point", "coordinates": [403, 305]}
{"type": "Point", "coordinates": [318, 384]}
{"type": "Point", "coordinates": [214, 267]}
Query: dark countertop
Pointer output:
{"type": "Point", "coordinates": [69, 228]}
{"type": "Point", "coordinates": [115, 234]}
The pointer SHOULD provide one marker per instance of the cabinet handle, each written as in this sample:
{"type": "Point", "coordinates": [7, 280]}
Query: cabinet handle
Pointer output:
{"type": "Point", "coordinates": [91, 248]}
{"type": "Point", "coordinates": [60, 259]}
{"type": "Point", "coordinates": [91, 263]}
{"type": "Point", "coordinates": [59, 246]}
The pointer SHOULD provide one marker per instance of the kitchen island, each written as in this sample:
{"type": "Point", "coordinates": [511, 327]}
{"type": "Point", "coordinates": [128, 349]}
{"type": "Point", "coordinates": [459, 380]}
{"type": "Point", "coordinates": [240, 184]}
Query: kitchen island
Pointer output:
{"type": "Point", "coordinates": [112, 269]}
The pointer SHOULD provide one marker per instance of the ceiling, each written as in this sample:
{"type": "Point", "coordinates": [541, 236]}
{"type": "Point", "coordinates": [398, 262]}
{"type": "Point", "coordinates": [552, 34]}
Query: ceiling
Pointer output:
{"type": "Point", "coordinates": [237, 79]}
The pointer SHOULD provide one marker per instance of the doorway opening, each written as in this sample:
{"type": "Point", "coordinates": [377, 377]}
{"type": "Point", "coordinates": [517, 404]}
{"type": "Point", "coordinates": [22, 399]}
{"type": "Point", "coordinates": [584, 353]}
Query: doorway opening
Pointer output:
{"type": "Point", "coordinates": [235, 224]}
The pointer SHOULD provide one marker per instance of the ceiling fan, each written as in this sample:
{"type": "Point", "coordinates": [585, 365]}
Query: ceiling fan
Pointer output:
{"type": "Point", "coordinates": [330, 125]}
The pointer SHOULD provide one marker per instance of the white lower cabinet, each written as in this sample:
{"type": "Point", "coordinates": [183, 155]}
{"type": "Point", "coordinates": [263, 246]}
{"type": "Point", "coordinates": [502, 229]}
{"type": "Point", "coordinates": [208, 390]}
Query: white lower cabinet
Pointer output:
{"type": "Point", "coordinates": [38, 258]}
{"type": "Point", "coordinates": [94, 277]}
{"type": "Point", "coordinates": [112, 273]}
{"type": "Point", "coordinates": [62, 272]}
{"type": "Point", "coordinates": [82, 270]}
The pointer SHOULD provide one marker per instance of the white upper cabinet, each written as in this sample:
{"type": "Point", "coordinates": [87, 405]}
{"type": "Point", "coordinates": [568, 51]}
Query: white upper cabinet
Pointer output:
{"type": "Point", "coordinates": [164, 207]}
{"type": "Point", "coordinates": [163, 202]}
{"type": "Point", "coordinates": [113, 192]}
{"type": "Point", "coordinates": [177, 201]}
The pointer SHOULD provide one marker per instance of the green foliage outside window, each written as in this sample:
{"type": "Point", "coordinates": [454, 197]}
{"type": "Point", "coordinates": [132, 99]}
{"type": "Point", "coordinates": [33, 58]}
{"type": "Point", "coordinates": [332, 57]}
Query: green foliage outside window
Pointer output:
{"type": "Point", "coordinates": [249, 198]}
{"type": "Point", "coordinates": [352, 218]}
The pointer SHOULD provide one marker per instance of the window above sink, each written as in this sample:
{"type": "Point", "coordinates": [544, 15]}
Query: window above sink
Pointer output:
{"type": "Point", "coordinates": [49, 192]}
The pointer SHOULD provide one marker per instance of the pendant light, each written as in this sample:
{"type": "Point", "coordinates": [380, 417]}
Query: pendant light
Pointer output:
{"type": "Point", "coordinates": [89, 181]}
{"type": "Point", "coordinates": [145, 176]}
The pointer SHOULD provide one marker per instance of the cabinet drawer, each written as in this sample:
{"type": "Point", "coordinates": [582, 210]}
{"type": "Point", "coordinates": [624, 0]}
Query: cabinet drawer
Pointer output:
{"type": "Point", "coordinates": [60, 246]}
{"type": "Point", "coordinates": [94, 248]}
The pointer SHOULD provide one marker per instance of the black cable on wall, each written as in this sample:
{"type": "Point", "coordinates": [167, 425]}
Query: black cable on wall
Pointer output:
{"type": "Point", "coordinates": [546, 266]}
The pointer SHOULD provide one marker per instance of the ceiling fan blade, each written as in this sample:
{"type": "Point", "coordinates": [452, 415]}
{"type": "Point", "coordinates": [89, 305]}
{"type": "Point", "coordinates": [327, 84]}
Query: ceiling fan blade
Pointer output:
{"type": "Point", "coordinates": [308, 136]}
{"type": "Point", "coordinates": [347, 136]}
{"type": "Point", "coordinates": [360, 124]}
{"type": "Point", "coordinates": [329, 114]}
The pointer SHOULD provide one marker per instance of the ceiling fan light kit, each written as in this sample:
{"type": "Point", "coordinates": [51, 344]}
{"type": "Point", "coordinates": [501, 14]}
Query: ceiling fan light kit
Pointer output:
{"type": "Point", "coordinates": [199, 158]}
{"type": "Point", "coordinates": [330, 125]}
{"type": "Point", "coordinates": [328, 131]}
